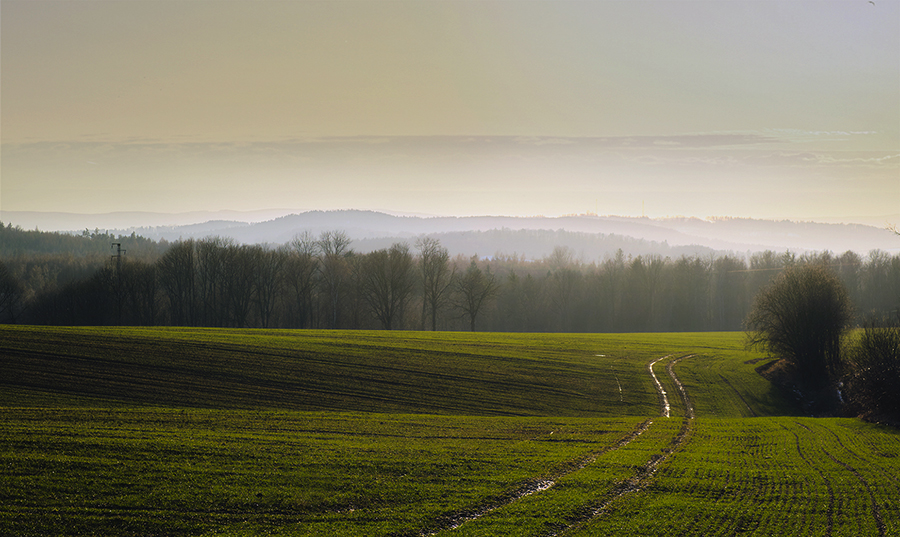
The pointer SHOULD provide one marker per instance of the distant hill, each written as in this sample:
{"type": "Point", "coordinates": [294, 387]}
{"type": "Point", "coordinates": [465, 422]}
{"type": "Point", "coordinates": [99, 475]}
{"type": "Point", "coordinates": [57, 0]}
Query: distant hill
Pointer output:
{"type": "Point", "coordinates": [15, 241]}
{"type": "Point", "coordinates": [588, 236]}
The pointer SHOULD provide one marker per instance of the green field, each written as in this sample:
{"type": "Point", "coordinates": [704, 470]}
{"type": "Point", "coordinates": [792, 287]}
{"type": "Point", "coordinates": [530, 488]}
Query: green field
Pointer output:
{"type": "Point", "coordinates": [126, 431]}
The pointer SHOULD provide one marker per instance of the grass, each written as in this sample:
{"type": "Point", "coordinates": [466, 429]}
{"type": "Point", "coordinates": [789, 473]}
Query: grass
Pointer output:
{"type": "Point", "coordinates": [769, 476]}
{"type": "Point", "coordinates": [456, 373]}
{"type": "Point", "coordinates": [168, 471]}
{"type": "Point", "coordinates": [132, 431]}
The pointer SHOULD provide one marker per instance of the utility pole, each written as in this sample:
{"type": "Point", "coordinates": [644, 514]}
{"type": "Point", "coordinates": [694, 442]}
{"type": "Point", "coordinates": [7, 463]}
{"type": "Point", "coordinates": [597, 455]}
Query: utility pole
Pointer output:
{"type": "Point", "coordinates": [118, 285]}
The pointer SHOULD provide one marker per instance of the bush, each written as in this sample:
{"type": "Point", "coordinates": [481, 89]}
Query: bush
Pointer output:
{"type": "Point", "coordinates": [801, 317]}
{"type": "Point", "coordinates": [872, 384]}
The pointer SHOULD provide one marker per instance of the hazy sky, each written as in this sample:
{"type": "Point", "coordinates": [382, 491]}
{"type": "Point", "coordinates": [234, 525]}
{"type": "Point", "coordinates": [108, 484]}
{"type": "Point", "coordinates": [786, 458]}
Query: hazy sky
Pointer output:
{"type": "Point", "coordinates": [786, 109]}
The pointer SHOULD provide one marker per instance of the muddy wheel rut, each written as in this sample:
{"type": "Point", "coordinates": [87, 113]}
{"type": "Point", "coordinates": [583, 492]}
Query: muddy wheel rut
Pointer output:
{"type": "Point", "coordinates": [643, 476]}
{"type": "Point", "coordinates": [640, 480]}
{"type": "Point", "coordinates": [526, 488]}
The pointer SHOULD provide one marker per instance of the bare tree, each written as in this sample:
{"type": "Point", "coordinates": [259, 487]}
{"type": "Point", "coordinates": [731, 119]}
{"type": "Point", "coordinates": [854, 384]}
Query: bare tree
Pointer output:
{"type": "Point", "coordinates": [268, 282]}
{"type": "Point", "coordinates": [300, 270]}
{"type": "Point", "coordinates": [210, 280]}
{"type": "Point", "coordinates": [388, 277]}
{"type": "Point", "coordinates": [561, 258]}
{"type": "Point", "coordinates": [176, 270]}
{"type": "Point", "coordinates": [437, 277]}
{"type": "Point", "coordinates": [474, 288]}
{"type": "Point", "coordinates": [689, 294]}
{"type": "Point", "coordinates": [874, 370]}
{"type": "Point", "coordinates": [728, 282]}
{"type": "Point", "coordinates": [334, 247]}
{"type": "Point", "coordinates": [239, 265]}
{"type": "Point", "coordinates": [565, 286]}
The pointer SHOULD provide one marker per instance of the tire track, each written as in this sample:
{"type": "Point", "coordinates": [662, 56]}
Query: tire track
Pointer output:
{"type": "Point", "coordinates": [527, 488]}
{"type": "Point", "coordinates": [830, 512]}
{"type": "Point", "coordinates": [688, 407]}
{"type": "Point", "coordinates": [664, 399]}
{"type": "Point", "coordinates": [873, 502]}
{"type": "Point", "coordinates": [876, 511]}
{"type": "Point", "coordinates": [878, 467]}
{"type": "Point", "coordinates": [643, 476]}
{"type": "Point", "coordinates": [741, 397]}
{"type": "Point", "coordinates": [635, 483]}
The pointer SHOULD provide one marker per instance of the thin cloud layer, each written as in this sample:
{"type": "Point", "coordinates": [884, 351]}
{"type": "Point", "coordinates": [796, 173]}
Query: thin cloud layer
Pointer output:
{"type": "Point", "coordinates": [743, 107]}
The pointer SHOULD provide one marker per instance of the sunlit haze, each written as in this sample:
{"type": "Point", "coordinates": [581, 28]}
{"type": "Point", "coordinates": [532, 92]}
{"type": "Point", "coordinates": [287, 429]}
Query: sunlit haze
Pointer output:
{"type": "Point", "coordinates": [764, 109]}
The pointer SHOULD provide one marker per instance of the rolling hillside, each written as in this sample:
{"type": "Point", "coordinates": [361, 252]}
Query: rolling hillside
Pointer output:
{"type": "Point", "coordinates": [237, 432]}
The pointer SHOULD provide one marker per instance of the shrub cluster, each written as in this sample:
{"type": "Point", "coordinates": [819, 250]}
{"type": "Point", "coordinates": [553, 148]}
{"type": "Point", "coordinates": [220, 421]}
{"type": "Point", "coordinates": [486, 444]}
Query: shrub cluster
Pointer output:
{"type": "Point", "coordinates": [803, 317]}
{"type": "Point", "coordinates": [872, 381]}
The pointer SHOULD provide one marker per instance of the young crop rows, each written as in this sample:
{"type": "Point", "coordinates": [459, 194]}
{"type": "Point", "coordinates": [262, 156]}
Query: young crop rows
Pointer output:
{"type": "Point", "coordinates": [687, 439]}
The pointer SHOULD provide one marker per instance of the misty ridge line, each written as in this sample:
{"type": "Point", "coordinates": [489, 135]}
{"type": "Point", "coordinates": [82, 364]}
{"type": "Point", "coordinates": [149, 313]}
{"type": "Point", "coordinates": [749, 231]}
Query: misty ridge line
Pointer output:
{"type": "Point", "coordinates": [589, 235]}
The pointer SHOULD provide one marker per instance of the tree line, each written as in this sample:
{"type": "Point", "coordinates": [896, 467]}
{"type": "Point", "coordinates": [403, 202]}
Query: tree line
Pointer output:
{"type": "Point", "coordinates": [321, 282]}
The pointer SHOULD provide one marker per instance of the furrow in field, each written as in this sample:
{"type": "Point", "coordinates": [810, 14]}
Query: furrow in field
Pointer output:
{"type": "Point", "coordinates": [803, 456]}
{"type": "Point", "coordinates": [866, 461]}
{"type": "Point", "coordinates": [885, 485]}
{"type": "Point", "coordinates": [873, 502]}
{"type": "Point", "coordinates": [741, 397]}
{"type": "Point", "coordinates": [529, 487]}
{"type": "Point", "coordinates": [876, 510]}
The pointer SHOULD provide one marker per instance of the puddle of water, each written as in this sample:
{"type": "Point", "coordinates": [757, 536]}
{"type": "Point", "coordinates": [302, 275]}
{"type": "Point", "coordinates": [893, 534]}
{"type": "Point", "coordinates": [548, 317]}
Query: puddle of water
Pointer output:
{"type": "Point", "coordinates": [540, 486]}
{"type": "Point", "coordinates": [659, 387]}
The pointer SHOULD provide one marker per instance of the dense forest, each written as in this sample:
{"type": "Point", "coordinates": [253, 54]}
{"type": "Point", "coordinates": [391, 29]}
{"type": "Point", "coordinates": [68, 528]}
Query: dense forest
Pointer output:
{"type": "Point", "coordinates": [321, 282]}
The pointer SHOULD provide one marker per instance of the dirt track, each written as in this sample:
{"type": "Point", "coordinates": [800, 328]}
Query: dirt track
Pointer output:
{"type": "Point", "coordinates": [638, 481]}
{"type": "Point", "coordinates": [644, 474]}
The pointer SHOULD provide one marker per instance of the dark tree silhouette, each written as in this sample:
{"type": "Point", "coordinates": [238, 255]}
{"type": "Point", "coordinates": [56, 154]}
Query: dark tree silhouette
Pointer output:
{"type": "Point", "coordinates": [320, 281]}
{"type": "Point", "coordinates": [871, 384]}
{"type": "Point", "coordinates": [801, 317]}
{"type": "Point", "coordinates": [139, 294]}
{"type": "Point", "coordinates": [300, 270]}
{"type": "Point", "coordinates": [334, 248]}
{"type": "Point", "coordinates": [237, 279]}
{"type": "Point", "coordinates": [437, 276]}
{"type": "Point", "coordinates": [210, 288]}
{"type": "Point", "coordinates": [269, 282]}
{"type": "Point", "coordinates": [11, 295]}
{"type": "Point", "coordinates": [388, 277]}
{"type": "Point", "coordinates": [177, 277]}
{"type": "Point", "coordinates": [474, 287]}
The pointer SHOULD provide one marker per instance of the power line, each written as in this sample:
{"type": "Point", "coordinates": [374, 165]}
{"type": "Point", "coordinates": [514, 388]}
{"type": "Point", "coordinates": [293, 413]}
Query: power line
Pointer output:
{"type": "Point", "coordinates": [784, 267]}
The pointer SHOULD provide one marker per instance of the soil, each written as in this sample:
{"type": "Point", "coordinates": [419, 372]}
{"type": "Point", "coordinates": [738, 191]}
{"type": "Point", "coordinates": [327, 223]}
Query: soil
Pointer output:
{"type": "Point", "coordinates": [815, 399]}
